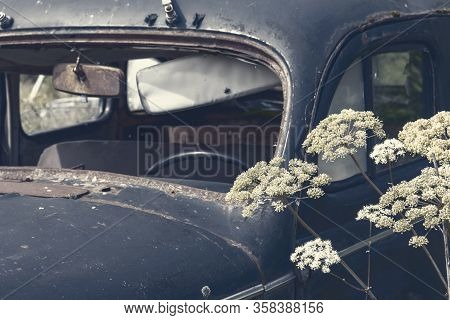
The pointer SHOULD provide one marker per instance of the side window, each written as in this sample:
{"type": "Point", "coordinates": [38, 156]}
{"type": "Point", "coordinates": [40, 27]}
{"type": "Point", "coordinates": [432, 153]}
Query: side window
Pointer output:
{"type": "Point", "coordinates": [396, 89]}
{"type": "Point", "coordinates": [400, 92]}
{"type": "Point", "coordinates": [349, 94]}
{"type": "Point", "coordinates": [42, 108]}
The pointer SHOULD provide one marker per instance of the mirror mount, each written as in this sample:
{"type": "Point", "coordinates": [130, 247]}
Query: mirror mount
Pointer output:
{"type": "Point", "coordinates": [88, 79]}
{"type": "Point", "coordinates": [78, 70]}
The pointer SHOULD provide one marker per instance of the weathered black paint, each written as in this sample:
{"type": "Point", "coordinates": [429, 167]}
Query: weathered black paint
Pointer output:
{"type": "Point", "coordinates": [60, 249]}
{"type": "Point", "coordinates": [144, 240]}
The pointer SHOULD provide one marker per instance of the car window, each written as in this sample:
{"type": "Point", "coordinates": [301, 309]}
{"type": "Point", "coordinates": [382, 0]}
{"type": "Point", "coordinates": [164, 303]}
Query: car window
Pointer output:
{"type": "Point", "coordinates": [213, 142]}
{"type": "Point", "coordinates": [42, 108]}
{"type": "Point", "coordinates": [398, 94]}
{"type": "Point", "coordinates": [398, 89]}
{"type": "Point", "coordinates": [349, 94]}
{"type": "Point", "coordinates": [243, 127]}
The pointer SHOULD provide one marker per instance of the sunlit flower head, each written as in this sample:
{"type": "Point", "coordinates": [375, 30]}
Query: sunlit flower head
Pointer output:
{"type": "Point", "coordinates": [315, 254]}
{"type": "Point", "coordinates": [387, 151]}
{"type": "Point", "coordinates": [425, 198]}
{"type": "Point", "coordinates": [340, 135]}
{"type": "Point", "coordinates": [418, 241]}
{"type": "Point", "coordinates": [429, 138]}
{"type": "Point", "coordinates": [273, 182]}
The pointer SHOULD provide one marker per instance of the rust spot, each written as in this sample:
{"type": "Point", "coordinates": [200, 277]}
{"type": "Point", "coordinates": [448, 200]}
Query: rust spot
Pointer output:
{"type": "Point", "coordinates": [442, 11]}
{"type": "Point", "coordinates": [42, 190]}
{"type": "Point", "coordinates": [84, 179]}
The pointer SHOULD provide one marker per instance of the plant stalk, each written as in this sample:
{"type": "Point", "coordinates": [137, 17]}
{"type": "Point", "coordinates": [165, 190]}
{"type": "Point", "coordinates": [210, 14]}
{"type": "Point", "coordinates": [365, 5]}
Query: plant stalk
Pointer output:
{"type": "Point", "coordinates": [425, 250]}
{"type": "Point", "coordinates": [369, 254]}
{"type": "Point", "coordinates": [372, 184]}
{"type": "Point", "coordinates": [369, 245]}
{"type": "Point", "coordinates": [445, 230]}
{"type": "Point", "coordinates": [430, 257]}
{"type": "Point", "coordinates": [390, 173]}
{"type": "Point", "coordinates": [445, 235]}
{"type": "Point", "coordinates": [345, 265]}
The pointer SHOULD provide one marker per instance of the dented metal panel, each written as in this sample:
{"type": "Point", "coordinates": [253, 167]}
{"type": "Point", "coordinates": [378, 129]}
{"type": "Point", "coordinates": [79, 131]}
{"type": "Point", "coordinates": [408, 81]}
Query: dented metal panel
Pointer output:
{"type": "Point", "coordinates": [84, 250]}
{"type": "Point", "coordinates": [195, 223]}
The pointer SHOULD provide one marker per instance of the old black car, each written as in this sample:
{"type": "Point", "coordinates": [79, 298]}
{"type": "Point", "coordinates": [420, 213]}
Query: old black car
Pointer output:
{"type": "Point", "coordinates": [124, 123]}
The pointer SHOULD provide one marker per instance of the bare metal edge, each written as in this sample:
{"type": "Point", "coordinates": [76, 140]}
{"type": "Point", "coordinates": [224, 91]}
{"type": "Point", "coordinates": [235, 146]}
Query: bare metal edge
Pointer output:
{"type": "Point", "coordinates": [260, 289]}
{"type": "Point", "coordinates": [371, 240]}
{"type": "Point", "coordinates": [364, 243]}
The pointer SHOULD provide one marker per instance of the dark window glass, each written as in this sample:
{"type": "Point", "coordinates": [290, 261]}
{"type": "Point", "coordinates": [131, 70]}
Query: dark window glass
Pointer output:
{"type": "Point", "coordinates": [399, 92]}
{"type": "Point", "coordinates": [398, 88]}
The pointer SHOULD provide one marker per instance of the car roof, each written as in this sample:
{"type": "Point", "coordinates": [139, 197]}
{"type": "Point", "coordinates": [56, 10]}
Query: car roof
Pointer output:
{"type": "Point", "coordinates": [312, 27]}
{"type": "Point", "coordinates": [263, 19]}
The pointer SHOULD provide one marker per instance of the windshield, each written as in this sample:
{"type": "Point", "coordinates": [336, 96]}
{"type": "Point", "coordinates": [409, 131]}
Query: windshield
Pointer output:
{"type": "Point", "coordinates": [211, 142]}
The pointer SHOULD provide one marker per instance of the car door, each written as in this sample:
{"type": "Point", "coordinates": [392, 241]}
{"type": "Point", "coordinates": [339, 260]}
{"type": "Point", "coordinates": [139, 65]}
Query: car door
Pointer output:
{"type": "Point", "coordinates": [395, 76]}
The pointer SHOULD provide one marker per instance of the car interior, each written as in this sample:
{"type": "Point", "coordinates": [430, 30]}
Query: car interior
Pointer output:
{"type": "Point", "coordinates": [211, 141]}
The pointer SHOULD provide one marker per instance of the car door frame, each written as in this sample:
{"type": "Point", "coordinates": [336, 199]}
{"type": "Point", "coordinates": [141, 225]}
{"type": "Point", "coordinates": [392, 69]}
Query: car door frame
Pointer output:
{"type": "Point", "coordinates": [366, 42]}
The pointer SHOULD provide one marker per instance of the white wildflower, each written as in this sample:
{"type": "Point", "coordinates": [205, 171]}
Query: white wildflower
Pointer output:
{"type": "Point", "coordinates": [402, 225]}
{"type": "Point", "coordinates": [321, 180]}
{"type": "Point", "coordinates": [340, 135]}
{"type": "Point", "coordinates": [315, 254]}
{"type": "Point", "coordinates": [278, 206]}
{"type": "Point", "coordinates": [272, 182]}
{"type": "Point", "coordinates": [379, 216]}
{"type": "Point", "coordinates": [388, 151]}
{"type": "Point", "coordinates": [426, 197]}
{"type": "Point", "coordinates": [418, 241]}
{"type": "Point", "coordinates": [314, 193]}
{"type": "Point", "coordinates": [429, 138]}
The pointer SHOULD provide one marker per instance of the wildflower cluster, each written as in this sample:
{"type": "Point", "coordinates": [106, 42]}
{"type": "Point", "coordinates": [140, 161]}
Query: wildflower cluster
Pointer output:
{"type": "Point", "coordinates": [426, 197]}
{"type": "Point", "coordinates": [343, 134]}
{"type": "Point", "coordinates": [418, 241]}
{"type": "Point", "coordinates": [388, 151]}
{"type": "Point", "coordinates": [429, 138]}
{"type": "Point", "coordinates": [272, 182]}
{"type": "Point", "coordinates": [315, 254]}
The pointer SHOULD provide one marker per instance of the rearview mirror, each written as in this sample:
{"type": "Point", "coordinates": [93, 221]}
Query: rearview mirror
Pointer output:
{"type": "Point", "coordinates": [88, 79]}
{"type": "Point", "coordinates": [200, 80]}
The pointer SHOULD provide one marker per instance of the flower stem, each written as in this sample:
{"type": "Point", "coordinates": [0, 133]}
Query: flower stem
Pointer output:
{"type": "Point", "coordinates": [390, 173]}
{"type": "Point", "coordinates": [425, 250]}
{"type": "Point", "coordinates": [445, 230]}
{"type": "Point", "coordinates": [346, 266]}
{"type": "Point", "coordinates": [435, 164]}
{"type": "Point", "coordinates": [446, 244]}
{"type": "Point", "coordinates": [369, 245]}
{"type": "Point", "coordinates": [369, 252]}
{"type": "Point", "coordinates": [430, 257]}
{"type": "Point", "coordinates": [371, 183]}
{"type": "Point", "coordinates": [346, 282]}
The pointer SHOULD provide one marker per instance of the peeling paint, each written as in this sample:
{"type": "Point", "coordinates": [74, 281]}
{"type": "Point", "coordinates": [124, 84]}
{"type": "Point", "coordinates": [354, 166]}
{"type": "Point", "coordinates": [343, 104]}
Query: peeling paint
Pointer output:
{"type": "Point", "coordinates": [98, 181]}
